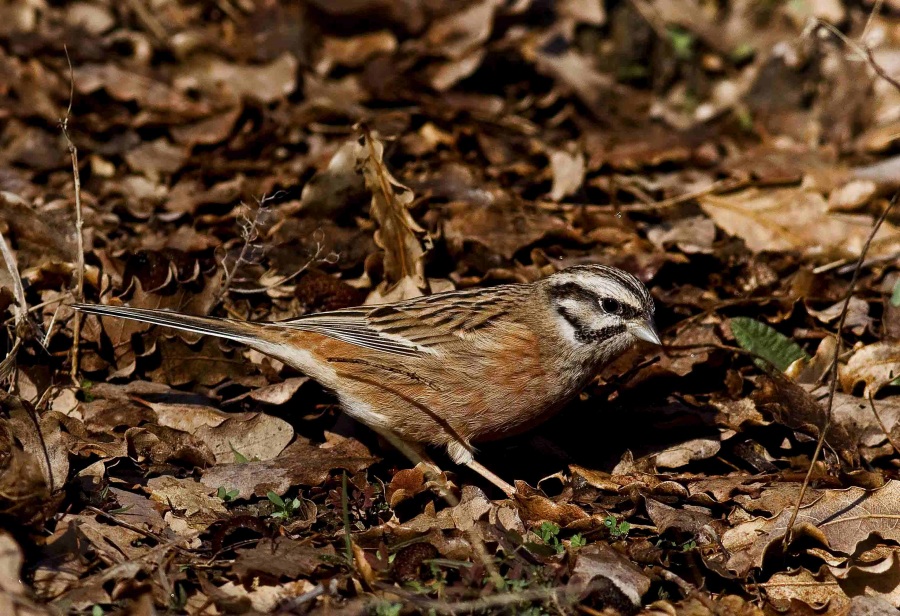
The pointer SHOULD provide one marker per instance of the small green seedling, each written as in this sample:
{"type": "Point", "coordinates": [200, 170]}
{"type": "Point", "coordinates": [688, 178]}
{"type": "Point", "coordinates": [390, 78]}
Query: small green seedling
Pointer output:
{"type": "Point", "coordinates": [549, 534]}
{"type": "Point", "coordinates": [226, 494]}
{"type": "Point", "coordinates": [238, 456]}
{"type": "Point", "coordinates": [618, 530]}
{"type": "Point", "coordinates": [284, 509]}
{"type": "Point", "coordinates": [577, 541]}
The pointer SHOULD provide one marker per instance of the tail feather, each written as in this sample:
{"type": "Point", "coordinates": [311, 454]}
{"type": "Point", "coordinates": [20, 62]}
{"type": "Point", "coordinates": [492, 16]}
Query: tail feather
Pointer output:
{"type": "Point", "coordinates": [230, 329]}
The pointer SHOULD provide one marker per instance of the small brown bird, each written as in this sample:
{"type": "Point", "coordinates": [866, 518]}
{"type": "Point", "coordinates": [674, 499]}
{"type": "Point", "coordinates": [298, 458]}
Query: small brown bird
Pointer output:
{"type": "Point", "coordinates": [453, 368]}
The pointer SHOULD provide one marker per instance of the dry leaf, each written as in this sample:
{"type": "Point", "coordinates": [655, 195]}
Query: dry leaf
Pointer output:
{"type": "Point", "coordinates": [840, 519]}
{"type": "Point", "coordinates": [796, 219]}
{"type": "Point", "coordinates": [601, 561]}
{"type": "Point", "coordinates": [816, 591]}
{"type": "Point", "coordinates": [876, 365]}
{"type": "Point", "coordinates": [568, 173]}
{"type": "Point", "coordinates": [398, 234]}
{"type": "Point", "coordinates": [302, 463]}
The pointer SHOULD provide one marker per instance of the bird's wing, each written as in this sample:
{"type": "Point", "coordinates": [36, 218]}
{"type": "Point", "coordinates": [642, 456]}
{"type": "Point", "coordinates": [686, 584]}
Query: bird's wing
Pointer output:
{"type": "Point", "coordinates": [415, 327]}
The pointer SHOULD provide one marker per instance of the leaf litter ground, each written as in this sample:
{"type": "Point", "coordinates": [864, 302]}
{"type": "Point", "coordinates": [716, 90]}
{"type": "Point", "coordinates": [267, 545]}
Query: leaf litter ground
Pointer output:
{"type": "Point", "coordinates": [264, 160]}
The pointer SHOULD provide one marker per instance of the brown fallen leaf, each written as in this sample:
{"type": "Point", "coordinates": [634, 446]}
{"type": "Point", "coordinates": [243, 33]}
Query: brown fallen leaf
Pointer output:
{"type": "Point", "coordinates": [816, 591]}
{"type": "Point", "coordinates": [681, 454]}
{"type": "Point", "coordinates": [125, 85]}
{"type": "Point", "coordinates": [405, 484]}
{"type": "Point", "coordinates": [205, 363]}
{"type": "Point", "coordinates": [160, 445]}
{"type": "Point", "coordinates": [599, 561]}
{"type": "Point", "coordinates": [535, 507]}
{"type": "Point", "coordinates": [796, 219]}
{"type": "Point", "coordinates": [24, 493]}
{"type": "Point", "coordinates": [188, 496]}
{"type": "Point", "coordinates": [302, 463]}
{"type": "Point", "coordinates": [256, 436]}
{"type": "Point", "coordinates": [284, 558]}
{"type": "Point", "coordinates": [875, 573]}
{"type": "Point", "coordinates": [339, 188]}
{"type": "Point", "coordinates": [839, 519]}
{"type": "Point", "coordinates": [14, 596]}
{"type": "Point", "coordinates": [473, 505]}
{"type": "Point", "coordinates": [501, 228]}
{"type": "Point", "coordinates": [876, 365]}
{"type": "Point", "coordinates": [227, 81]}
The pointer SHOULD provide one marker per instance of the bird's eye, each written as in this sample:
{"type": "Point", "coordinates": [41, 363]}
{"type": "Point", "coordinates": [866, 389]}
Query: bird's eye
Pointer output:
{"type": "Point", "coordinates": [611, 306]}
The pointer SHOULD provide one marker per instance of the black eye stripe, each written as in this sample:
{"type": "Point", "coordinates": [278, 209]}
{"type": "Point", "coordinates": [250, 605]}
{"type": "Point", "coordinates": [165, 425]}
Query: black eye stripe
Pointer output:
{"type": "Point", "coordinates": [572, 290]}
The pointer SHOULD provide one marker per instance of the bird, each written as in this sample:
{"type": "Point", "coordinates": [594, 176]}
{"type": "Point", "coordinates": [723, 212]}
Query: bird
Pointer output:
{"type": "Point", "coordinates": [454, 368]}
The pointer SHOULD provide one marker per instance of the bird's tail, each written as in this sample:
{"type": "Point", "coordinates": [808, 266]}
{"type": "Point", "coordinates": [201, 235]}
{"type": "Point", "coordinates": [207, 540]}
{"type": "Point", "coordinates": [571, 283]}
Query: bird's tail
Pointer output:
{"type": "Point", "coordinates": [240, 331]}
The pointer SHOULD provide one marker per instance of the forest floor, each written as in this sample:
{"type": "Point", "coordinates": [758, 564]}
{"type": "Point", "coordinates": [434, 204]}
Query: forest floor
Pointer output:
{"type": "Point", "coordinates": [264, 160]}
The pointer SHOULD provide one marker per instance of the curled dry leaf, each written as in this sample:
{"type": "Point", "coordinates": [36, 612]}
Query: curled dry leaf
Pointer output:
{"type": "Point", "coordinates": [535, 507]}
{"type": "Point", "coordinates": [875, 572]}
{"type": "Point", "coordinates": [473, 506]}
{"type": "Point", "coordinates": [501, 228]}
{"type": "Point", "coordinates": [857, 319]}
{"type": "Point", "coordinates": [338, 187]}
{"type": "Point", "coordinates": [125, 85]}
{"type": "Point", "coordinates": [691, 235]}
{"type": "Point", "coordinates": [24, 492]}
{"type": "Point", "coordinates": [398, 234]}
{"type": "Point", "coordinates": [601, 561]}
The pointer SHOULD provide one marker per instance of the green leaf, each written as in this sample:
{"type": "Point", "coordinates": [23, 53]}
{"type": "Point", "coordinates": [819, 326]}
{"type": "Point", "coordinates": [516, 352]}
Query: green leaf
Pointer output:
{"type": "Point", "coordinates": [759, 338]}
{"type": "Point", "coordinates": [548, 531]}
{"type": "Point", "coordinates": [275, 499]}
{"type": "Point", "coordinates": [238, 456]}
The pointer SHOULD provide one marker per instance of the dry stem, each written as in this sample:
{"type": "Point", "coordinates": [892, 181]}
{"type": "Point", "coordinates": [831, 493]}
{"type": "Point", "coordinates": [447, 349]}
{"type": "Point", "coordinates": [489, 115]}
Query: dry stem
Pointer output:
{"type": "Point", "coordinates": [79, 222]}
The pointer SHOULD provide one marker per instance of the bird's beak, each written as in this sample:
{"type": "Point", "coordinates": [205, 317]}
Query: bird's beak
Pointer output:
{"type": "Point", "coordinates": [645, 331]}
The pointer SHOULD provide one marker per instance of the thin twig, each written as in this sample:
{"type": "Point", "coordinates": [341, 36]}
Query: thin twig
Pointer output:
{"type": "Point", "coordinates": [834, 372]}
{"type": "Point", "coordinates": [249, 235]}
{"type": "Point", "coordinates": [876, 9]}
{"type": "Point", "coordinates": [79, 221]}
